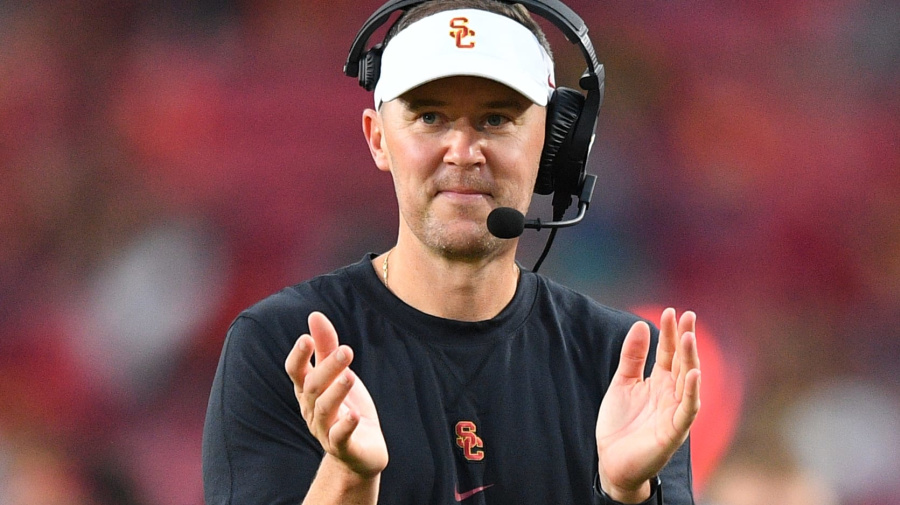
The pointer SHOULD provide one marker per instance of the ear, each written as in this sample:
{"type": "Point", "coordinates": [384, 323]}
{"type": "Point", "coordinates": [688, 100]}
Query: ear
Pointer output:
{"type": "Point", "coordinates": [374, 133]}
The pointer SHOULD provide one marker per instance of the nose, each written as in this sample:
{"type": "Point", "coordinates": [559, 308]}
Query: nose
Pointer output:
{"type": "Point", "coordinates": [464, 145]}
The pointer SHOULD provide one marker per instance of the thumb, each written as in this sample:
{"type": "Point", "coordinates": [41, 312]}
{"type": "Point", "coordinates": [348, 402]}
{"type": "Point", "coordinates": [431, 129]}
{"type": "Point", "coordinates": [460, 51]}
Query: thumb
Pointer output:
{"type": "Point", "coordinates": [634, 353]}
{"type": "Point", "coordinates": [323, 334]}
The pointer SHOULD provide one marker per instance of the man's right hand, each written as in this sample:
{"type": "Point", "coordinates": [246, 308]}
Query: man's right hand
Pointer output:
{"type": "Point", "coordinates": [334, 402]}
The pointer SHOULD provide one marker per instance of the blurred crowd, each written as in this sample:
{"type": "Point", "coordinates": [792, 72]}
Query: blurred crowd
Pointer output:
{"type": "Point", "coordinates": [166, 164]}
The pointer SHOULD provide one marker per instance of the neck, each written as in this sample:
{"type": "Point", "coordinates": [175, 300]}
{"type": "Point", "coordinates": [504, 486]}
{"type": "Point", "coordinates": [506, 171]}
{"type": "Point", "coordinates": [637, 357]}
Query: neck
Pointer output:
{"type": "Point", "coordinates": [460, 290]}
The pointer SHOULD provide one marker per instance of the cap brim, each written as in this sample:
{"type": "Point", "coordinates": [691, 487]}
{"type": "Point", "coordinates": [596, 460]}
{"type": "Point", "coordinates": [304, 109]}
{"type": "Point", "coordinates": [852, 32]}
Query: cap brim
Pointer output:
{"type": "Point", "coordinates": [489, 68]}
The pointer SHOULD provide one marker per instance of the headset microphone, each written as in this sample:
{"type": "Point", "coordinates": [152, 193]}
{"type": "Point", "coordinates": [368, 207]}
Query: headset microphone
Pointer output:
{"type": "Point", "coordinates": [507, 222]}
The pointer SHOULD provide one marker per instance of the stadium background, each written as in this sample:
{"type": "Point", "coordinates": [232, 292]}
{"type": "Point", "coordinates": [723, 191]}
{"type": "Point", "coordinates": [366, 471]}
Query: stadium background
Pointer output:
{"type": "Point", "coordinates": [165, 164]}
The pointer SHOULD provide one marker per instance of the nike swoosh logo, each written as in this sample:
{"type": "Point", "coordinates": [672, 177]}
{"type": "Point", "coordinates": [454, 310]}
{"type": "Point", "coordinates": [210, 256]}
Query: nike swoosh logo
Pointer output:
{"type": "Point", "coordinates": [468, 494]}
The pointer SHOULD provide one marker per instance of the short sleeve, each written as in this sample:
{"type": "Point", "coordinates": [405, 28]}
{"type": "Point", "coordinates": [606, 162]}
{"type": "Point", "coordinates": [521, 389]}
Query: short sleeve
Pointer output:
{"type": "Point", "coordinates": [256, 447]}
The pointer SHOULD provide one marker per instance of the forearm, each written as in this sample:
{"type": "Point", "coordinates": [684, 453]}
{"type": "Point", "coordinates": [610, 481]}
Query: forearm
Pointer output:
{"type": "Point", "coordinates": [336, 484]}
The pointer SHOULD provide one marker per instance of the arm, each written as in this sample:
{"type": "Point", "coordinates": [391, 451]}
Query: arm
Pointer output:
{"type": "Point", "coordinates": [642, 422]}
{"type": "Point", "coordinates": [340, 413]}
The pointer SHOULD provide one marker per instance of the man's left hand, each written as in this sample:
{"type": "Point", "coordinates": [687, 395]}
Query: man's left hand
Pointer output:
{"type": "Point", "coordinates": [642, 422]}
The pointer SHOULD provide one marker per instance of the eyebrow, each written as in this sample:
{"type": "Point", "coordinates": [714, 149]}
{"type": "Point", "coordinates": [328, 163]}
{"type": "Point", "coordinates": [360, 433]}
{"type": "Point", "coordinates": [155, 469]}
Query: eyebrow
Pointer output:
{"type": "Point", "coordinates": [516, 105]}
{"type": "Point", "coordinates": [423, 103]}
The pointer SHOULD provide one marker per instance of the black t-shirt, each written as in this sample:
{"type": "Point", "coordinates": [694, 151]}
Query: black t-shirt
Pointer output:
{"type": "Point", "coordinates": [502, 411]}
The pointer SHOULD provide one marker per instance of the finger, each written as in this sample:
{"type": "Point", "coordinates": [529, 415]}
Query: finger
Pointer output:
{"type": "Point", "coordinates": [688, 359]}
{"type": "Point", "coordinates": [634, 353]}
{"type": "Point", "coordinates": [342, 430]}
{"type": "Point", "coordinates": [665, 349]}
{"type": "Point", "coordinates": [685, 324]}
{"type": "Point", "coordinates": [321, 377]}
{"type": "Point", "coordinates": [328, 406]}
{"type": "Point", "coordinates": [297, 363]}
{"type": "Point", "coordinates": [690, 403]}
{"type": "Point", "coordinates": [323, 333]}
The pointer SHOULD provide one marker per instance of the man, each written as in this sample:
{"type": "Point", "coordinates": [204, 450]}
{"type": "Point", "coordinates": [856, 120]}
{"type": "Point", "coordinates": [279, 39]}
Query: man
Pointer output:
{"type": "Point", "coordinates": [439, 372]}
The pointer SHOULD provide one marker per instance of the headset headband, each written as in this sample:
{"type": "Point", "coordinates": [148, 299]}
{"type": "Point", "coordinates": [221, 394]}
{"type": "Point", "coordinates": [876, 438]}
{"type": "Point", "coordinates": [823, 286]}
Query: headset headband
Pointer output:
{"type": "Point", "coordinates": [564, 18]}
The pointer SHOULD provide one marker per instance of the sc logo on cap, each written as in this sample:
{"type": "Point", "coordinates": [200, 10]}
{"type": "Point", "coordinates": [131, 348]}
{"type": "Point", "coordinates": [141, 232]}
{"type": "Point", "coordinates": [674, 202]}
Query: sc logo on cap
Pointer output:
{"type": "Point", "coordinates": [461, 31]}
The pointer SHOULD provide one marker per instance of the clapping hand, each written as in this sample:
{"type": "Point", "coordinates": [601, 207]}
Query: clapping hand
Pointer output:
{"type": "Point", "coordinates": [642, 422]}
{"type": "Point", "coordinates": [334, 402]}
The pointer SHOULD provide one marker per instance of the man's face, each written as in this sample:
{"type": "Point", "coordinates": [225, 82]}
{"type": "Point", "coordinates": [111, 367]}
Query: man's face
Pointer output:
{"type": "Point", "coordinates": [457, 148]}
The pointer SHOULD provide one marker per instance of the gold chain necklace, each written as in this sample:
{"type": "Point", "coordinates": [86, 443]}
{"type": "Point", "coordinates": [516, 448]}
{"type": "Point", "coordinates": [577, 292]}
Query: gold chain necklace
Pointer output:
{"type": "Point", "coordinates": [384, 268]}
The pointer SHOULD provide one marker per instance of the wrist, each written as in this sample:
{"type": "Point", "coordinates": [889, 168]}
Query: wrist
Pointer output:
{"type": "Point", "coordinates": [648, 493]}
{"type": "Point", "coordinates": [335, 482]}
{"type": "Point", "coordinates": [346, 474]}
{"type": "Point", "coordinates": [629, 496]}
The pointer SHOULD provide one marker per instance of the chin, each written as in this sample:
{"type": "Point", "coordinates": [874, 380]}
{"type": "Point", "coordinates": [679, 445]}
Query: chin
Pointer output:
{"type": "Point", "coordinates": [472, 241]}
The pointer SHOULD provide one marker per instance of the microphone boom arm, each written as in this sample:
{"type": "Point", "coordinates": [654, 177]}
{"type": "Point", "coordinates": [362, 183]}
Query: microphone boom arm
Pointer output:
{"type": "Point", "coordinates": [584, 201]}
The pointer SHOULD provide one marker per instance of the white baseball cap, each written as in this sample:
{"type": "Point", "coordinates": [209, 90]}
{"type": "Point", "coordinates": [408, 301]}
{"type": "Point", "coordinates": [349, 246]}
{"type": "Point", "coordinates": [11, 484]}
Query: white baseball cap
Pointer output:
{"type": "Point", "coordinates": [469, 42]}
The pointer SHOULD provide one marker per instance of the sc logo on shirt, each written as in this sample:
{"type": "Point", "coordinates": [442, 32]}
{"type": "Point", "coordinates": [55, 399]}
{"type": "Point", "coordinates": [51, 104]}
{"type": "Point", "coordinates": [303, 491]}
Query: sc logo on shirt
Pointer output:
{"type": "Point", "coordinates": [470, 443]}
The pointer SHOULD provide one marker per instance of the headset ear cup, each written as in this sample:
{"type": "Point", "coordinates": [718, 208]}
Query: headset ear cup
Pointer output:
{"type": "Point", "coordinates": [370, 67]}
{"type": "Point", "coordinates": [563, 111]}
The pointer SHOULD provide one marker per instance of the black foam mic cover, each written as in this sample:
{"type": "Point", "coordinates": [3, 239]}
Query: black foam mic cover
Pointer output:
{"type": "Point", "coordinates": [506, 222]}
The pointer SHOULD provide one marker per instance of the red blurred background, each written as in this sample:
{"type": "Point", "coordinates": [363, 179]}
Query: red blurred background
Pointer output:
{"type": "Point", "coordinates": [166, 164]}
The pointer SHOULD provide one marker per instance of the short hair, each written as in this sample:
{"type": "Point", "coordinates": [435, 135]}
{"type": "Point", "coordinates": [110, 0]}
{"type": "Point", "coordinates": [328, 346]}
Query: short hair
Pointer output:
{"type": "Point", "coordinates": [517, 12]}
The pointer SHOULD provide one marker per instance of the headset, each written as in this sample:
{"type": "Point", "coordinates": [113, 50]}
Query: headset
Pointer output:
{"type": "Point", "coordinates": [571, 115]}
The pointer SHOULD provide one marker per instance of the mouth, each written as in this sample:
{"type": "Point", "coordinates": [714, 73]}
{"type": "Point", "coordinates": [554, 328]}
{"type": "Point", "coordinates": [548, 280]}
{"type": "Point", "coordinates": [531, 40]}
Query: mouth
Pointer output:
{"type": "Point", "coordinates": [464, 194]}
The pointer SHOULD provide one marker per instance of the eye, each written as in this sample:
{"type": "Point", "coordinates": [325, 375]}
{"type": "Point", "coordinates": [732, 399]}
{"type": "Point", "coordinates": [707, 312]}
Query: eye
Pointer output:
{"type": "Point", "coordinates": [429, 118]}
{"type": "Point", "coordinates": [495, 120]}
